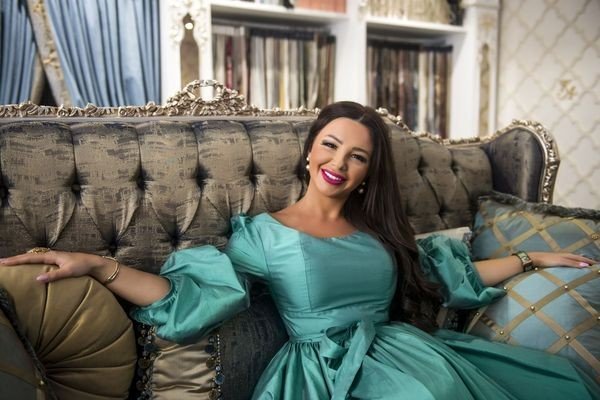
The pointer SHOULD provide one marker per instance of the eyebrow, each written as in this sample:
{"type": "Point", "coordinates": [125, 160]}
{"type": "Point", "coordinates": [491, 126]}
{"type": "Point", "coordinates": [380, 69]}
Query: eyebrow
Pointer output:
{"type": "Point", "coordinates": [340, 142]}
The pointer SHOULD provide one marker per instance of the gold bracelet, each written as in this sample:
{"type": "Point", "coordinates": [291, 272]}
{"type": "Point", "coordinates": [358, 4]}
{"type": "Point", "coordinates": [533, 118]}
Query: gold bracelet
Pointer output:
{"type": "Point", "coordinates": [115, 273]}
{"type": "Point", "coordinates": [38, 250]}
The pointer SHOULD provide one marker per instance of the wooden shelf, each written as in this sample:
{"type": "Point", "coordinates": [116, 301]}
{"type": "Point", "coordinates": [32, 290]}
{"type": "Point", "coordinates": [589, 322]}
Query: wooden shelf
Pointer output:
{"type": "Point", "coordinates": [224, 8]}
{"type": "Point", "coordinates": [413, 28]}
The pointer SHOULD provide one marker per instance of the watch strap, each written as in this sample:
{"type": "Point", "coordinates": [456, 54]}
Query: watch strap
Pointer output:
{"type": "Point", "coordinates": [526, 261]}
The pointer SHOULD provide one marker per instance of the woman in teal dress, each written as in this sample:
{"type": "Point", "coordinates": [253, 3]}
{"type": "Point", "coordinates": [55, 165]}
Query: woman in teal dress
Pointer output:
{"type": "Point", "coordinates": [356, 294]}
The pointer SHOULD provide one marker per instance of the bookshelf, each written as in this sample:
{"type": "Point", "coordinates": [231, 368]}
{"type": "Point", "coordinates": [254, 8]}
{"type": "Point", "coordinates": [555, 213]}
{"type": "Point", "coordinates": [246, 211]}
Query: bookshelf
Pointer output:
{"type": "Point", "coordinates": [472, 89]}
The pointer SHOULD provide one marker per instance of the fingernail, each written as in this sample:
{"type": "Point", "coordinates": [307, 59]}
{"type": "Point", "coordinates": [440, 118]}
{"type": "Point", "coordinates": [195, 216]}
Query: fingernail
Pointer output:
{"type": "Point", "coordinates": [583, 264]}
{"type": "Point", "coordinates": [2, 260]}
{"type": "Point", "coordinates": [42, 278]}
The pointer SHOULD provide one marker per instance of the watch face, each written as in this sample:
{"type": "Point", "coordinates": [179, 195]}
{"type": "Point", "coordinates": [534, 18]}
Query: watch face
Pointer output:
{"type": "Point", "coordinates": [525, 260]}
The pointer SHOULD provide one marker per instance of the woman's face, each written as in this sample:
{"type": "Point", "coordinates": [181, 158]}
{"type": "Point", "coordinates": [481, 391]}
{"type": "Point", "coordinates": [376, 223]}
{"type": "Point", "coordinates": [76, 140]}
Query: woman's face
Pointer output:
{"type": "Point", "coordinates": [340, 157]}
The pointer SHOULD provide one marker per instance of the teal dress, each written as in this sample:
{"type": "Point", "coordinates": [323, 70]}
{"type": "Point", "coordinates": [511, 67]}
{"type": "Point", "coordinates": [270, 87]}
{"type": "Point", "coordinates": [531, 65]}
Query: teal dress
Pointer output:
{"type": "Point", "coordinates": [333, 295]}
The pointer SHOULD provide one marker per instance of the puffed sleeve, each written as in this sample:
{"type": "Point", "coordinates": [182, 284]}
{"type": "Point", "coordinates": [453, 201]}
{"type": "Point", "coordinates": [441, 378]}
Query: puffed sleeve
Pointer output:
{"type": "Point", "coordinates": [205, 291]}
{"type": "Point", "coordinates": [207, 288]}
{"type": "Point", "coordinates": [245, 248]}
{"type": "Point", "coordinates": [447, 261]}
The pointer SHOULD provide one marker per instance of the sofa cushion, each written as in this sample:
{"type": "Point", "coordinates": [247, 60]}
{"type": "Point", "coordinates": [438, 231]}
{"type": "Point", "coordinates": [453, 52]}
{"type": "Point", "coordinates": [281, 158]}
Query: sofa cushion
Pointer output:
{"type": "Point", "coordinates": [228, 362]}
{"type": "Point", "coordinates": [551, 309]}
{"type": "Point", "coordinates": [78, 330]}
{"type": "Point", "coordinates": [178, 371]}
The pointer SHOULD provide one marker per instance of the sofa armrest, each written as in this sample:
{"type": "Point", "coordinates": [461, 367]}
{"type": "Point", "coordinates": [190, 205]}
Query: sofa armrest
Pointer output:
{"type": "Point", "coordinates": [524, 159]}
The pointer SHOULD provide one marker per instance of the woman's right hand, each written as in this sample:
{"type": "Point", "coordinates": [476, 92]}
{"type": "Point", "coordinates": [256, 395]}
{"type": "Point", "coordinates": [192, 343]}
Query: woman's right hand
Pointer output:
{"type": "Point", "coordinates": [138, 287]}
{"type": "Point", "coordinates": [69, 264]}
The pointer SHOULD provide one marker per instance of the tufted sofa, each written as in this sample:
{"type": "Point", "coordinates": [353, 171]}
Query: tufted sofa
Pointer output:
{"type": "Point", "coordinates": [138, 183]}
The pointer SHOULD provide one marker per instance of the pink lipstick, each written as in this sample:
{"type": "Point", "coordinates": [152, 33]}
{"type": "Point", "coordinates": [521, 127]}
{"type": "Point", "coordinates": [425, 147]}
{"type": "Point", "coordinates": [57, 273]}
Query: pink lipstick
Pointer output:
{"type": "Point", "coordinates": [332, 178]}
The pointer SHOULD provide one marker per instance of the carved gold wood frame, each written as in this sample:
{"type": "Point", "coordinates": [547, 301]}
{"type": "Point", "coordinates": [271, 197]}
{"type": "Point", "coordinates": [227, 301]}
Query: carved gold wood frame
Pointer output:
{"type": "Point", "coordinates": [186, 102]}
{"type": "Point", "coordinates": [549, 152]}
{"type": "Point", "coordinates": [228, 102]}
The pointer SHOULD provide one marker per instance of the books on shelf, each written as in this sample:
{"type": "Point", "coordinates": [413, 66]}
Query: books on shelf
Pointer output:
{"type": "Point", "coordinates": [275, 67]}
{"type": "Point", "coordinates": [323, 5]}
{"type": "Point", "coordinates": [411, 81]}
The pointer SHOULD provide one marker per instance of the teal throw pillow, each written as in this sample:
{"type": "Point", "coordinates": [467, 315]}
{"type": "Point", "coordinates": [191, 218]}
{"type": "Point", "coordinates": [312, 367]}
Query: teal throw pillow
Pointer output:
{"type": "Point", "coordinates": [556, 310]}
{"type": "Point", "coordinates": [505, 224]}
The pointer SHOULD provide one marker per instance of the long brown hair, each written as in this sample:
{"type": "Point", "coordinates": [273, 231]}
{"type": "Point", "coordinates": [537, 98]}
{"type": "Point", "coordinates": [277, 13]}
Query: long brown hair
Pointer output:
{"type": "Point", "coordinates": [378, 212]}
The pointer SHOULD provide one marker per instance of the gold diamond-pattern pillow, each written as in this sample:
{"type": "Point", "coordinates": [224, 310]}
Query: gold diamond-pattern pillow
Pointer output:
{"type": "Point", "coordinates": [553, 309]}
{"type": "Point", "coordinates": [505, 224]}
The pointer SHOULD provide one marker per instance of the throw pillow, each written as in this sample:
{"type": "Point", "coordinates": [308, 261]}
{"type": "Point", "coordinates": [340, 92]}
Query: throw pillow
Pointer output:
{"type": "Point", "coordinates": [505, 224]}
{"type": "Point", "coordinates": [80, 333]}
{"type": "Point", "coordinates": [552, 309]}
{"type": "Point", "coordinates": [176, 371]}
{"type": "Point", "coordinates": [210, 367]}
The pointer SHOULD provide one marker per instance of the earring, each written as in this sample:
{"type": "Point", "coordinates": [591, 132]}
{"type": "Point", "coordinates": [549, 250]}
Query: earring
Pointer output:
{"type": "Point", "coordinates": [307, 163]}
{"type": "Point", "coordinates": [361, 189]}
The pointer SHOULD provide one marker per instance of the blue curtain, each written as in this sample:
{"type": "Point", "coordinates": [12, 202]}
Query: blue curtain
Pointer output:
{"type": "Point", "coordinates": [17, 52]}
{"type": "Point", "coordinates": [108, 49]}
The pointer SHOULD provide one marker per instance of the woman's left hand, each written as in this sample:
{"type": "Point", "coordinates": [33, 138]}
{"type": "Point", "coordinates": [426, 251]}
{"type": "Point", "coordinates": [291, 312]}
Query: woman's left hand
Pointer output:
{"type": "Point", "coordinates": [497, 270]}
{"type": "Point", "coordinates": [548, 259]}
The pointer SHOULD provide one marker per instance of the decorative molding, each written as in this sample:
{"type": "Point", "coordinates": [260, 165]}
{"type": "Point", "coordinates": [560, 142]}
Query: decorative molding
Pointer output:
{"type": "Point", "coordinates": [487, 34]}
{"type": "Point", "coordinates": [481, 3]}
{"type": "Point", "coordinates": [186, 102]}
{"type": "Point", "coordinates": [199, 11]}
{"type": "Point", "coordinates": [396, 119]}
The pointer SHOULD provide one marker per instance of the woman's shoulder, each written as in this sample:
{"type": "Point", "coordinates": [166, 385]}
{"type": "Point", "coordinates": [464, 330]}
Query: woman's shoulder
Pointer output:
{"type": "Point", "coordinates": [250, 223]}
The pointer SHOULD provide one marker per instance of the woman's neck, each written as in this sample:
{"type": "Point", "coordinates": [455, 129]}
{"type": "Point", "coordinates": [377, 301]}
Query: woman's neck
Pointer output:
{"type": "Point", "coordinates": [320, 207]}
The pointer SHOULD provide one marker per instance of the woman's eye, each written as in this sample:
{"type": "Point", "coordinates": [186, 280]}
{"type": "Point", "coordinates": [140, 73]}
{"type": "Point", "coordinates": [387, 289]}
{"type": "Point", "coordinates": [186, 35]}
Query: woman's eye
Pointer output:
{"type": "Point", "coordinates": [328, 144]}
{"type": "Point", "coordinates": [360, 158]}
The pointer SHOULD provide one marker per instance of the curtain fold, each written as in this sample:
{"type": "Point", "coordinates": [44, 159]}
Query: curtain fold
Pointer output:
{"type": "Point", "coordinates": [20, 73]}
{"type": "Point", "coordinates": [108, 50]}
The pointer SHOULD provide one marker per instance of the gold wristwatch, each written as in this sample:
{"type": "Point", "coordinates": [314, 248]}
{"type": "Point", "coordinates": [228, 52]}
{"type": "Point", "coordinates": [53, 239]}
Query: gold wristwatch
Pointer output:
{"type": "Point", "coordinates": [526, 261]}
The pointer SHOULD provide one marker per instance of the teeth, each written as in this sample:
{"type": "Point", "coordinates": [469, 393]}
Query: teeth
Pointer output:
{"type": "Point", "coordinates": [335, 178]}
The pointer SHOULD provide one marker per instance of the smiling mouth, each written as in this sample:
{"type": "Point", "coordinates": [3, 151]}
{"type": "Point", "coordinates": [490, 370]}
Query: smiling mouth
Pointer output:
{"type": "Point", "coordinates": [331, 178]}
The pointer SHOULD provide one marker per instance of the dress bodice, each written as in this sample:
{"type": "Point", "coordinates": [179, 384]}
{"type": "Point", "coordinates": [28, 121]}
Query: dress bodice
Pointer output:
{"type": "Point", "coordinates": [318, 283]}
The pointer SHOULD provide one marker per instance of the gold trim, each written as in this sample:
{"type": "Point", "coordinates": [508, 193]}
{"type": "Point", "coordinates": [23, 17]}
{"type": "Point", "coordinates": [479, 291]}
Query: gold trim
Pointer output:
{"type": "Point", "coordinates": [549, 152]}
{"type": "Point", "coordinates": [38, 250]}
{"type": "Point", "coordinates": [186, 102]}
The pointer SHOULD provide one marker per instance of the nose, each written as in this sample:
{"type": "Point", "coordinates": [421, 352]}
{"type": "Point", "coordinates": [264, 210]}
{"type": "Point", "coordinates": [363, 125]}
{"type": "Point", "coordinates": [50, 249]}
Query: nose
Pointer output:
{"type": "Point", "coordinates": [340, 162]}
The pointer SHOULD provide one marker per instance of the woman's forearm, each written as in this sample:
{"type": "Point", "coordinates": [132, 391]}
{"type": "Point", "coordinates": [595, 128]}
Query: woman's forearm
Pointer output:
{"type": "Point", "coordinates": [497, 270]}
{"type": "Point", "coordinates": [138, 287]}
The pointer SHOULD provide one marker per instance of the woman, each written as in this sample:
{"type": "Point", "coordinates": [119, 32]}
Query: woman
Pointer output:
{"type": "Point", "coordinates": [354, 290]}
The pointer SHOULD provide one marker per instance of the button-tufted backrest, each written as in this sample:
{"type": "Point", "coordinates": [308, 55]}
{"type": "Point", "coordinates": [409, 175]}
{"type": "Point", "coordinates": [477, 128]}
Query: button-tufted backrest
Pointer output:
{"type": "Point", "coordinates": [141, 188]}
